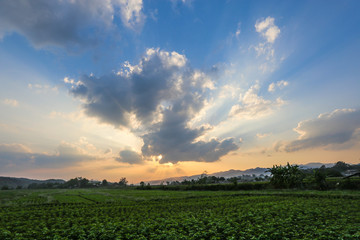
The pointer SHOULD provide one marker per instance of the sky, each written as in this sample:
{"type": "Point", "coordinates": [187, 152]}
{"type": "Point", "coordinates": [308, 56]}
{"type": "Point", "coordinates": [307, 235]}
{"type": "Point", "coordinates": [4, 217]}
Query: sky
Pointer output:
{"type": "Point", "coordinates": [149, 89]}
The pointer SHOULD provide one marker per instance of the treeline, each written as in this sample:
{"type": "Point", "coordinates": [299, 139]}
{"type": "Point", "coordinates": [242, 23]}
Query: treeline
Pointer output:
{"type": "Point", "coordinates": [291, 176]}
{"type": "Point", "coordinates": [80, 182]}
{"type": "Point", "coordinates": [281, 177]}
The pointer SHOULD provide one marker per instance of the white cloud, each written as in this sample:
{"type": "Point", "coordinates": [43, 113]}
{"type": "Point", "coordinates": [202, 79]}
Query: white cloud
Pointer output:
{"type": "Point", "coordinates": [280, 85]}
{"type": "Point", "coordinates": [261, 26]}
{"type": "Point", "coordinates": [131, 13]}
{"type": "Point", "coordinates": [272, 87]}
{"type": "Point", "coordinates": [262, 135]}
{"type": "Point", "coordinates": [270, 32]}
{"type": "Point", "coordinates": [267, 29]}
{"type": "Point", "coordinates": [172, 59]}
{"type": "Point", "coordinates": [201, 80]}
{"type": "Point", "coordinates": [264, 49]}
{"type": "Point", "coordinates": [234, 34]}
{"type": "Point", "coordinates": [10, 102]}
{"type": "Point", "coordinates": [71, 81]}
{"type": "Point", "coordinates": [253, 106]}
{"type": "Point", "coordinates": [187, 3]}
{"type": "Point", "coordinates": [39, 88]}
{"type": "Point", "coordinates": [228, 90]}
{"type": "Point", "coordinates": [267, 52]}
{"type": "Point", "coordinates": [238, 31]}
{"type": "Point", "coordinates": [340, 128]}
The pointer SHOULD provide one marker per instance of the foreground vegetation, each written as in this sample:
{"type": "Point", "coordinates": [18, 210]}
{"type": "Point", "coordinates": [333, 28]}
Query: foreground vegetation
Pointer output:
{"type": "Point", "coordinates": [134, 214]}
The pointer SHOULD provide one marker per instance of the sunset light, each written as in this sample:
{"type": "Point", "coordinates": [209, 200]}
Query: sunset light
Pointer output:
{"type": "Point", "coordinates": [150, 90]}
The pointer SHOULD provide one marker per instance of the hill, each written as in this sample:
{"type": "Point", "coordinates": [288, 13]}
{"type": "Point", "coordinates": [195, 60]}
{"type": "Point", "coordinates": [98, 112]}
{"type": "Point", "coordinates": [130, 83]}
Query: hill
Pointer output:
{"type": "Point", "coordinates": [13, 182]}
{"type": "Point", "coordinates": [226, 174]}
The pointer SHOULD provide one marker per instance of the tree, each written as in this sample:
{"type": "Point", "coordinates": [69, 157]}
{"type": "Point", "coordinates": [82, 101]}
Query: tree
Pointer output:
{"type": "Point", "coordinates": [123, 182]}
{"type": "Point", "coordinates": [104, 182]}
{"type": "Point", "coordinates": [287, 176]}
{"type": "Point", "coordinates": [341, 166]}
{"type": "Point", "coordinates": [78, 182]}
{"type": "Point", "coordinates": [233, 180]}
{"type": "Point", "coordinates": [332, 172]}
{"type": "Point", "coordinates": [83, 182]}
{"type": "Point", "coordinates": [320, 178]}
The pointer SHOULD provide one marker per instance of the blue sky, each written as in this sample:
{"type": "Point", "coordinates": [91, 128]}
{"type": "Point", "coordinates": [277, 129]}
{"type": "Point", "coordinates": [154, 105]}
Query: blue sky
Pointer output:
{"type": "Point", "coordinates": [150, 89]}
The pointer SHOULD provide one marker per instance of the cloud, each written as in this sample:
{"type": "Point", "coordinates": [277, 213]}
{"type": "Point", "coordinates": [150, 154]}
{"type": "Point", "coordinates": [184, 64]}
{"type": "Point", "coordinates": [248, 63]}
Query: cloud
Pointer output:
{"type": "Point", "coordinates": [267, 29]}
{"type": "Point", "coordinates": [18, 156]}
{"type": "Point", "coordinates": [38, 88]}
{"type": "Point", "coordinates": [157, 99]}
{"type": "Point", "coordinates": [129, 156]}
{"type": "Point", "coordinates": [177, 143]}
{"type": "Point", "coordinates": [137, 90]}
{"type": "Point", "coordinates": [270, 32]}
{"type": "Point", "coordinates": [65, 23]}
{"type": "Point", "coordinates": [176, 3]}
{"type": "Point", "coordinates": [333, 129]}
{"type": "Point", "coordinates": [265, 50]}
{"type": "Point", "coordinates": [15, 148]}
{"type": "Point", "coordinates": [238, 31]}
{"type": "Point", "coordinates": [131, 13]}
{"type": "Point", "coordinates": [262, 135]}
{"type": "Point", "coordinates": [10, 102]}
{"type": "Point", "coordinates": [252, 106]}
{"type": "Point", "coordinates": [280, 84]}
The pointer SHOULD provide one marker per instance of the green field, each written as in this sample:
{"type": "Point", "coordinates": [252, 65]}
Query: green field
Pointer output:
{"type": "Point", "coordinates": [156, 214]}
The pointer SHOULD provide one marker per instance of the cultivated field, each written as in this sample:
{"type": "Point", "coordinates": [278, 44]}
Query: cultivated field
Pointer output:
{"type": "Point", "coordinates": [156, 214]}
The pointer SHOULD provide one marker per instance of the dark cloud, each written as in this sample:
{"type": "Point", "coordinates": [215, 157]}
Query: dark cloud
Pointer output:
{"type": "Point", "coordinates": [107, 98]}
{"type": "Point", "coordinates": [112, 98]}
{"type": "Point", "coordinates": [331, 129]}
{"type": "Point", "coordinates": [176, 142]}
{"type": "Point", "coordinates": [55, 23]}
{"type": "Point", "coordinates": [163, 94]}
{"type": "Point", "coordinates": [131, 157]}
{"type": "Point", "coordinates": [18, 156]}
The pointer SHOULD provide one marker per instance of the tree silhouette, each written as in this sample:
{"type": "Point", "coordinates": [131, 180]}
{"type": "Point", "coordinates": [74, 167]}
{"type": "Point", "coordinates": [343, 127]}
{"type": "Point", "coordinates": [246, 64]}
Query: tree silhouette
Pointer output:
{"type": "Point", "coordinates": [287, 176]}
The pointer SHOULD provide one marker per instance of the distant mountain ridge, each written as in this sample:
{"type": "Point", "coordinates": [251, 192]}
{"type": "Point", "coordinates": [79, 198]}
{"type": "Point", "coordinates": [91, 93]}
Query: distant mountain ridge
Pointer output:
{"type": "Point", "coordinates": [235, 173]}
{"type": "Point", "coordinates": [13, 182]}
{"type": "Point", "coordinates": [226, 174]}
{"type": "Point", "coordinates": [316, 165]}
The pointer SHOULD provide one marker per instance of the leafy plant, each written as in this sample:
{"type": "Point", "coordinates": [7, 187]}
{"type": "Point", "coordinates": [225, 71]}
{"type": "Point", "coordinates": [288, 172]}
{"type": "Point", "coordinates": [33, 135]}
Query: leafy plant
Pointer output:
{"type": "Point", "coordinates": [288, 176]}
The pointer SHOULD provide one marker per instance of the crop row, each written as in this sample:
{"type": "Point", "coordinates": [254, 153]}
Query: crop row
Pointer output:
{"type": "Point", "coordinates": [205, 217]}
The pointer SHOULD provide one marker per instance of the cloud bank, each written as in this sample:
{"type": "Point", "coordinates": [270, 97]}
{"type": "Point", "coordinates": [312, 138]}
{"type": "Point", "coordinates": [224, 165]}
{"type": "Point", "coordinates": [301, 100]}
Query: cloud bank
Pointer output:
{"type": "Point", "coordinates": [330, 129]}
{"type": "Point", "coordinates": [15, 156]}
{"type": "Point", "coordinates": [66, 23]}
{"type": "Point", "coordinates": [156, 99]}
